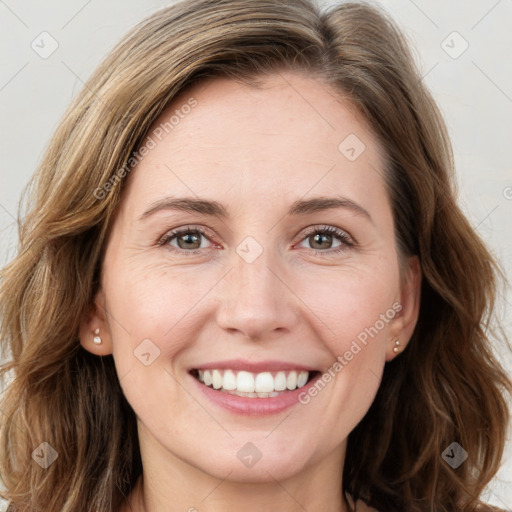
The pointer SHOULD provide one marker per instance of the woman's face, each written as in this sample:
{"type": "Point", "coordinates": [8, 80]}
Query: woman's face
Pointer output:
{"type": "Point", "coordinates": [247, 294]}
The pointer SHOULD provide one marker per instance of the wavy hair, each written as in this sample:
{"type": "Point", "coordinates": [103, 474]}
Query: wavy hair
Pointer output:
{"type": "Point", "coordinates": [447, 385]}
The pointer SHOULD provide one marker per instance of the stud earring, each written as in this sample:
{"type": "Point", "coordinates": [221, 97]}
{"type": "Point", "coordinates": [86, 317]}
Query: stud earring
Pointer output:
{"type": "Point", "coordinates": [396, 348]}
{"type": "Point", "coordinates": [97, 340]}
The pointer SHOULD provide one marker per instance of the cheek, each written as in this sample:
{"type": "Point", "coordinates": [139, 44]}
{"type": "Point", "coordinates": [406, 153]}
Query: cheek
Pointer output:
{"type": "Point", "coordinates": [148, 312]}
{"type": "Point", "coordinates": [349, 384]}
{"type": "Point", "coordinates": [363, 316]}
{"type": "Point", "coordinates": [152, 299]}
{"type": "Point", "coordinates": [352, 305]}
{"type": "Point", "coordinates": [353, 312]}
{"type": "Point", "coordinates": [154, 309]}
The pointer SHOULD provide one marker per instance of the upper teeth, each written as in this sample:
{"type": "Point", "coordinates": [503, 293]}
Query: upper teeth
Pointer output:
{"type": "Point", "coordinates": [242, 381]}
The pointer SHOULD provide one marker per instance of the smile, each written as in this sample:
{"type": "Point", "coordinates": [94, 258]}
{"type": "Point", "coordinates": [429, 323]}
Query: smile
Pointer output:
{"type": "Point", "coordinates": [253, 385]}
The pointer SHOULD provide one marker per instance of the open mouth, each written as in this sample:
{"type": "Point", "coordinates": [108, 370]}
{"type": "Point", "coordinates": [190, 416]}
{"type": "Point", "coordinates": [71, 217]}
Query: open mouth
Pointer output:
{"type": "Point", "coordinates": [254, 385]}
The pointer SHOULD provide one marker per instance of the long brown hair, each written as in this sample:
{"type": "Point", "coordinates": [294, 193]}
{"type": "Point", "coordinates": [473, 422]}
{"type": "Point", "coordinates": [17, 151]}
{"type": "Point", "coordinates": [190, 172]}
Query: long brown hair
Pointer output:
{"type": "Point", "coordinates": [446, 387]}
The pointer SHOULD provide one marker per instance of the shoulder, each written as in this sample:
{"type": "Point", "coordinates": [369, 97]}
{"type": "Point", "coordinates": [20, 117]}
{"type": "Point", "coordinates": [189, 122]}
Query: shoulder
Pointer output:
{"type": "Point", "coordinates": [359, 506]}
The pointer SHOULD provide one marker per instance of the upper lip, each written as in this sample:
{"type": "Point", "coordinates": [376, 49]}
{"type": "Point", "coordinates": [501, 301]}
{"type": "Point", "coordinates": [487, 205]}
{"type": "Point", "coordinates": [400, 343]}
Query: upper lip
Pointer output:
{"type": "Point", "coordinates": [253, 366]}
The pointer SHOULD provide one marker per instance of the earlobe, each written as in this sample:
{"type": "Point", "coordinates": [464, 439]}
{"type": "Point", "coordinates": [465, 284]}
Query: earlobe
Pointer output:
{"type": "Point", "coordinates": [94, 331]}
{"type": "Point", "coordinates": [404, 323]}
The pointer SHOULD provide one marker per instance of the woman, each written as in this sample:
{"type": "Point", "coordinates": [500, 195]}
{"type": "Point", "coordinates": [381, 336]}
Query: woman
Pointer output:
{"type": "Point", "coordinates": [245, 283]}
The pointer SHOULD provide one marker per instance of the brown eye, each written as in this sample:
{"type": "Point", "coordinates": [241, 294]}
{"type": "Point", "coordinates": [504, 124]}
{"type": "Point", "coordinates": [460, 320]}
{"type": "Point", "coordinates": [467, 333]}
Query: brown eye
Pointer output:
{"type": "Point", "coordinates": [185, 239]}
{"type": "Point", "coordinates": [320, 241]}
{"type": "Point", "coordinates": [323, 239]}
{"type": "Point", "coordinates": [190, 240]}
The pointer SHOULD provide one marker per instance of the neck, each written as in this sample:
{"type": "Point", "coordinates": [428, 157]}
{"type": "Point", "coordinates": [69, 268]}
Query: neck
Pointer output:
{"type": "Point", "coordinates": [189, 489]}
{"type": "Point", "coordinates": [251, 497]}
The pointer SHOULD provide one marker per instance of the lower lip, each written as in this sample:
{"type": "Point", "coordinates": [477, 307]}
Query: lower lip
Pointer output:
{"type": "Point", "coordinates": [254, 406]}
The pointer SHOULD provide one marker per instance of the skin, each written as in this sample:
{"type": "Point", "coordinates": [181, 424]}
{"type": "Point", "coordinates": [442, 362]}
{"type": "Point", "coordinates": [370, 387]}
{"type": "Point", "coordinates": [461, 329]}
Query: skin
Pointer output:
{"type": "Point", "coordinates": [256, 151]}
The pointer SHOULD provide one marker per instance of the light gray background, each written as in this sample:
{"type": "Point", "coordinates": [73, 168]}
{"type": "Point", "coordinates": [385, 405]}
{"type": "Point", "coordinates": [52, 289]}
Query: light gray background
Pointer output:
{"type": "Point", "coordinates": [473, 89]}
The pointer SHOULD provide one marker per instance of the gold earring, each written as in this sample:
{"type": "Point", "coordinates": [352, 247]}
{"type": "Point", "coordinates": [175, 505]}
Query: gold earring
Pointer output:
{"type": "Point", "coordinates": [97, 340]}
{"type": "Point", "coordinates": [396, 348]}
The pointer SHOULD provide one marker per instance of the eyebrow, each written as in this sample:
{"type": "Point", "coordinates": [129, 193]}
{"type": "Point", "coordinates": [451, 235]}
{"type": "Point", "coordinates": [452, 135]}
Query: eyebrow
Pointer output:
{"type": "Point", "coordinates": [216, 209]}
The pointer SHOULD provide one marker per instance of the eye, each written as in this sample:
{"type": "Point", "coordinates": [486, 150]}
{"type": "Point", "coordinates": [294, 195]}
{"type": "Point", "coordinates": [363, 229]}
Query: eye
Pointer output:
{"type": "Point", "coordinates": [321, 239]}
{"type": "Point", "coordinates": [187, 239]}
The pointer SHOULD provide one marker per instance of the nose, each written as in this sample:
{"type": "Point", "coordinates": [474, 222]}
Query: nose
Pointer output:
{"type": "Point", "coordinates": [256, 300]}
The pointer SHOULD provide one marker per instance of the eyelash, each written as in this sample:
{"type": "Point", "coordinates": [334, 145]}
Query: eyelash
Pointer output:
{"type": "Point", "coordinates": [345, 239]}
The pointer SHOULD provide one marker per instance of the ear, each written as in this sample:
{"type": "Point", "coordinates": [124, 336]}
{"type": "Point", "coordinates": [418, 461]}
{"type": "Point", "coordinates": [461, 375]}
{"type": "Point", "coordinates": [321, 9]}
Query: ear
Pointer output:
{"type": "Point", "coordinates": [94, 324]}
{"type": "Point", "coordinates": [408, 307]}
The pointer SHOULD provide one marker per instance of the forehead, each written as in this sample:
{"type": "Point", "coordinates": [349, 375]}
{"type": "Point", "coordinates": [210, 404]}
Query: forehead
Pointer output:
{"type": "Point", "coordinates": [289, 136]}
